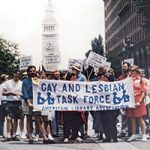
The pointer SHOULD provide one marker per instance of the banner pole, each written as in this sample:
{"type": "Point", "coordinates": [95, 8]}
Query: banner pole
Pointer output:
{"type": "Point", "coordinates": [90, 74]}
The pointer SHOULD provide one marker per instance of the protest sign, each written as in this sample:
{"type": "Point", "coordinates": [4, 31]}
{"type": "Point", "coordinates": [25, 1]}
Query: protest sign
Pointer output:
{"type": "Point", "coordinates": [25, 61]}
{"type": "Point", "coordinates": [72, 62]}
{"type": "Point", "coordinates": [82, 96]}
{"type": "Point", "coordinates": [130, 61]}
{"type": "Point", "coordinates": [95, 60]}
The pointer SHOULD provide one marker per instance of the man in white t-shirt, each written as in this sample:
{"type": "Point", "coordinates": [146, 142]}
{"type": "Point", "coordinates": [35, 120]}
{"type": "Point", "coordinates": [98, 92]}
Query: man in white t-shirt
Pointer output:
{"type": "Point", "coordinates": [13, 91]}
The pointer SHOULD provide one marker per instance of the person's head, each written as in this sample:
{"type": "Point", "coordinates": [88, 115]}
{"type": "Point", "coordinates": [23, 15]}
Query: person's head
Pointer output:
{"type": "Point", "coordinates": [142, 74]}
{"type": "Point", "coordinates": [42, 75]}
{"type": "Point", "coordinates": [24, 75]}
{"type": "Point", "coordinates": [16, 75]}
{"type": "Point", "coordinates": [31, 71]}
{"type": "Point", "coordinates": [62, 75]}
{"type": "Point", "coordinates": [56, 75]}
{"type": "Point", "coordinates": [50, 75]}
{"type": "Point", "coordinates": [125, 67]}
{"type": "Point", "coordinates": [111, 74]}
{"type": "Point", "coordinates": [4, 77]}
{"type": "Point", "coordinates": [102, 74]}
{"type": "Point", "coordinates": [71, 76]}
{"type": "Point", "coordinates": [76, 68]}
{"type": "Point", "coordinates": [134, 71]}
{"type": "Point", "coordinates": [102, 71]}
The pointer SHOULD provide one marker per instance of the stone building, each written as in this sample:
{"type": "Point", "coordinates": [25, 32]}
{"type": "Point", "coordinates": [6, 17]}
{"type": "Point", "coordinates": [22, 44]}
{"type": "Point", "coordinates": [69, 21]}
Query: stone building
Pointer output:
{"type": "Point", "coordinates": [127, 29]}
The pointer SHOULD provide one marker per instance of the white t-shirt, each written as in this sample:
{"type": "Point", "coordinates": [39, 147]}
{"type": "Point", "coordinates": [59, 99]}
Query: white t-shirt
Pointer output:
{"type": "Point", "coordinates": [1, 95]}
{"type": "Point", "coordinates": [12, 86]}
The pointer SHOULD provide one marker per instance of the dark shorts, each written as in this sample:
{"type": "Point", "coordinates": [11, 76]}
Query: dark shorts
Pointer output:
{"type": "Point", "coordinates": [14, 109]}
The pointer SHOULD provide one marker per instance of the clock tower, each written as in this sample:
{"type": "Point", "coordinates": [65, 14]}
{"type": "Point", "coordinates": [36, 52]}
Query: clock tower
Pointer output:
{"type": "Point", "coordinates": [50, 52]}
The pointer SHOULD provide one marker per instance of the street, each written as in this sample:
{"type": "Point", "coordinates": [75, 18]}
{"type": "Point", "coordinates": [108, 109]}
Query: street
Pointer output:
{"type": "Point", "coordinates": [137, 145]}
{"type": "Point", "coordinates": [88, 144]}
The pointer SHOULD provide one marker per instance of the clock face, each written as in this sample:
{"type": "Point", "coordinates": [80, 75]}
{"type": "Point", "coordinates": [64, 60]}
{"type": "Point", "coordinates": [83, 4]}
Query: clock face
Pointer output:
{"type": "Point", "coordinates": [49, 47]}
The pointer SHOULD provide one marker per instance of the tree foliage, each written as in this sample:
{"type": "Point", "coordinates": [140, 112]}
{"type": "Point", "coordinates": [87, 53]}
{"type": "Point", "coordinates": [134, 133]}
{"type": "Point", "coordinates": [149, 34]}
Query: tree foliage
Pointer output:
{"type": "Point", "coordinates": [96, 46]}
{"type": "Point", "coordinates": [9, 54]}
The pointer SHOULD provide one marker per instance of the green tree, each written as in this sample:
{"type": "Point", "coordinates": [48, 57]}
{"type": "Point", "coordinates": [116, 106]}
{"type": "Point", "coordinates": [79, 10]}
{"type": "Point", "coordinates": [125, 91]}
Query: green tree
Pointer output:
{"type": "Point", "coordinates": [9, 54]}
{"type": "Point", "coordinates": [97, 45]}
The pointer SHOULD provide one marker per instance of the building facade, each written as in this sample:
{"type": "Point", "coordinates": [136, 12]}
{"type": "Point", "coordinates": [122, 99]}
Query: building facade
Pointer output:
{"type": "Point", "coordinates": [126, 28]}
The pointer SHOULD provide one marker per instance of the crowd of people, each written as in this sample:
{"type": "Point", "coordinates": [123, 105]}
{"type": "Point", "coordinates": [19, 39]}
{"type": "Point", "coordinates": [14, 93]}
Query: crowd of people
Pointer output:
{"type": "Point", "coordinates": [16, 105]}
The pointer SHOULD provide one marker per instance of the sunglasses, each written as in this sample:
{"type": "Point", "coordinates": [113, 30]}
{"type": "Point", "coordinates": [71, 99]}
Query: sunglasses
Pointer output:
{"type": "Point", "coordinates": [131, 70]}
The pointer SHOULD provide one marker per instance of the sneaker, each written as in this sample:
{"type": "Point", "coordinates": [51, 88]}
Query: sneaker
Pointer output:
{"type": "Point", "coordinates": [23, 135]}
{"type": "Point", "coordinates": [144, 138]}
{"type": "Point", "coordinates": [133, 137]}
{"type": "Point", "coordinates": [36, 139]}
{"type": "Point", "coordinates": [78, 139]}
{"type": "Point", "coordinates": [96, 135]}
{"type": "Point", "coordinates": [66, 140]}
{"type": "Point", "coordinates": [50, 137]}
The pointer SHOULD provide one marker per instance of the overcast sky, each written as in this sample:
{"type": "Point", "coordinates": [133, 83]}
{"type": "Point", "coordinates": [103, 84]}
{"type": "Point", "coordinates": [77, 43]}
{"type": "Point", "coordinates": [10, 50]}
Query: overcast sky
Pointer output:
{"type": "Point", "coordinates": [79, 21]}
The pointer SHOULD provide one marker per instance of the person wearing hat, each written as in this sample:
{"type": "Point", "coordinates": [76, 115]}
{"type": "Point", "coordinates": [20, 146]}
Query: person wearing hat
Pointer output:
{"type": "Point", "coordinates": [3, 78]}
{"type": "Point", "coordinates": [77, 68]}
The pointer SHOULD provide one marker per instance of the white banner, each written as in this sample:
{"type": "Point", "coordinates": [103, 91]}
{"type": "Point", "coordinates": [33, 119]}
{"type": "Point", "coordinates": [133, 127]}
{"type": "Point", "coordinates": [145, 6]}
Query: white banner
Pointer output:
{"type": "Point", "coordinates": [25, 62]}
{"type": "Point", "coordinates": [82, 96]}
{"type": "Point", "coordinates": [96, 60]}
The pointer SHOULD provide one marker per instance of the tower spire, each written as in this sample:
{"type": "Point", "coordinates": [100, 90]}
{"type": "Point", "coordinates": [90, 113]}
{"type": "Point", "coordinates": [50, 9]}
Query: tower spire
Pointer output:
{"type": "Point", "coordinates": [49, 14]}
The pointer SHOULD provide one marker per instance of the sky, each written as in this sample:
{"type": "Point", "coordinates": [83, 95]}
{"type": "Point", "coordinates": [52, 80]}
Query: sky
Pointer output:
{"type": "Point", "coordinates": [79, 22]}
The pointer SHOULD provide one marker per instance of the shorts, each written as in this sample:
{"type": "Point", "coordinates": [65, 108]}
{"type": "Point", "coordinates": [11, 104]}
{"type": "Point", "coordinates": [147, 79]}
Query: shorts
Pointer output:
{"type": "Point", "coordinates": [14, 109]}
{"type": "Point", "coordinates": [26, 109]}
{"type": "Point", "coordinates": [29, 111]}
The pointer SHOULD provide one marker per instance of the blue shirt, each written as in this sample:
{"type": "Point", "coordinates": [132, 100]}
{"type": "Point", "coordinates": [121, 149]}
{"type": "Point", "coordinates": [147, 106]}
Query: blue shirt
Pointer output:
{"type": "Point", "coordinates": [27, 92]}
{"type": "Point", "coordinates": [81, 77]}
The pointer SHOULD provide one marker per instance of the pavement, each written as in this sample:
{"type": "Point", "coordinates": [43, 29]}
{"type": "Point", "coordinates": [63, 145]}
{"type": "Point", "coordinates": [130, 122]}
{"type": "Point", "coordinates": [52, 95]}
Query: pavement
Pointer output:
{"type": "Point", "coordinates": [121, 145]}
{"type": "Point", "coordinates": [88, 144]}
